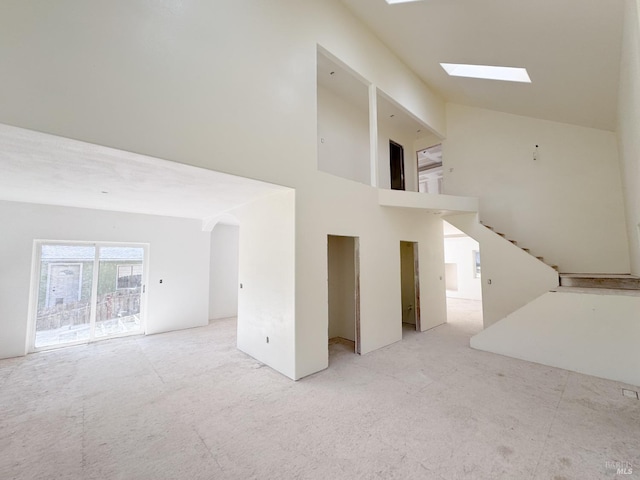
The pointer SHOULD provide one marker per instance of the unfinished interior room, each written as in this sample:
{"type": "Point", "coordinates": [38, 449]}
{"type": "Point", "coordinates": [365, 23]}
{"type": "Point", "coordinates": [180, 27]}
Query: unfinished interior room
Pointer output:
{"type": "Point", "coordinates": [319, 239]}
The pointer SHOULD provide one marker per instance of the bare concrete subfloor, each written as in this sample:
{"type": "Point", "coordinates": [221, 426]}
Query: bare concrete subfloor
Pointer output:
{"type": "Point", "coordinates": [188, 405]}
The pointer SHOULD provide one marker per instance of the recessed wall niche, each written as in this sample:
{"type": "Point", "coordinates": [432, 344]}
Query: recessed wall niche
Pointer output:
{"type": "Point", "coordinates": [343, 121]}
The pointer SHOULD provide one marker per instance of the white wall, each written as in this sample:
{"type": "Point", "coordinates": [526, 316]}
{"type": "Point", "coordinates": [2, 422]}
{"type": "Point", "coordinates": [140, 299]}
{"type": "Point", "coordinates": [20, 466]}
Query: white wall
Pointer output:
{"type": "Point", "coordinates": [380, 292]}
{"type": "Point", "coordinates": [190, 82]}
{"type": "Point", "coordinates": [343, 137]}
{"type": "Point", "coordinates": [566, 206]}
{"type": "Point", "coordinates": [459, 251]}
{"type": "Point", "coordinates": [266, 299]}
{"type": "Point", "coordinates": [178, 254]}
{"type": "Point", "coordinates": [429, 140]}
{"type": "Point", "coordinates": [629, 126]}
{"type": "Point", "coordinates": [591, 334]}
{"type": "Point", "coordinates": [223, 272]}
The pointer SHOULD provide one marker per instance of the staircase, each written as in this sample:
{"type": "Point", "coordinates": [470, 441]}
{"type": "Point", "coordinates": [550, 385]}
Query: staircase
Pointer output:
{"type": "Point", "coordinates": [555, 267]}
{"type": "Point", "coordinates": [593, 280]}
{"type": "Point", "coordinates": [586, 280]}
{"type": "Point", "coordinates": [527, 315]}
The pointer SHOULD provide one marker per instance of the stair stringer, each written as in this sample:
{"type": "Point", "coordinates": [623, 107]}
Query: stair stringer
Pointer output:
{"type": "Point", "coordinates": [511, 277]}
{"type": "Point", "coordinates": [588, 333]}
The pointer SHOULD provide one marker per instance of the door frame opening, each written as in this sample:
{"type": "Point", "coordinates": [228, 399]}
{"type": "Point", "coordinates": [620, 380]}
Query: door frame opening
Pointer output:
{"type": "Point", "coordinates": [396, 166]}
{"type": "Point", "coordinates": [410, 283]}
{"type": "Point", "coordinates": [343, 290]}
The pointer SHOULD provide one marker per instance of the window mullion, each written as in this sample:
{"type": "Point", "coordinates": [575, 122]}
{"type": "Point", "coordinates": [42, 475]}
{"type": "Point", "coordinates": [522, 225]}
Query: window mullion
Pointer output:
{"type": "Point", "coordinates": [94, 294]}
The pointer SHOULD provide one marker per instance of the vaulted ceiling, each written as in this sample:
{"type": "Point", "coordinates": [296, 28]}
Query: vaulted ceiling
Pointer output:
{"type": "Point", "coordinates": [571, 49]}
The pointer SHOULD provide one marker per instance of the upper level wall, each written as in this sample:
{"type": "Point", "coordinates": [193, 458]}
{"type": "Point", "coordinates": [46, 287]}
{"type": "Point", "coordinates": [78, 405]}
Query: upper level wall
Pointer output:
{"type": "Point", "coordinates": [343, 137]}
{"type": "Point", "coordinates": [629, 127]}
{"type": "Point", "coordinates": [566, 206]}
{"type": "Point", "coordinates": [192, 81]}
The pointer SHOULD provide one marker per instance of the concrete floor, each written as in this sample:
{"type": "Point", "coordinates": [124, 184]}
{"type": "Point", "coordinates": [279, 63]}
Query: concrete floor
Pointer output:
{"type": "Point", "coordinates": [188, 405]}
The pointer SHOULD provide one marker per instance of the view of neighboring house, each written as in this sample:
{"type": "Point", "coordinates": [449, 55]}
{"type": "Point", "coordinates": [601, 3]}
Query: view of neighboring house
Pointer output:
{"type": "Point", "coordinates": [68, 304]}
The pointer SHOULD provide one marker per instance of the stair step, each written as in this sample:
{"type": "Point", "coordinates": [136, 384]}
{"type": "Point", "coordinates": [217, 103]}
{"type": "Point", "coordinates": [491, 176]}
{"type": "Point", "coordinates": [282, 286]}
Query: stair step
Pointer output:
{"type": "Point", "coordinates": [514, 242]}
{"type": "Point", "coordinates": [598, 291]}
{"type": "Point", "coordinates": [586, 280]}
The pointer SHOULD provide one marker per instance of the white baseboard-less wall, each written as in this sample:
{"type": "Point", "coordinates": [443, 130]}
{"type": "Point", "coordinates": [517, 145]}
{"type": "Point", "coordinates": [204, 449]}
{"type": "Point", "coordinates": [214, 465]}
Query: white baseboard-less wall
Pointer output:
{"type": "Point", "coordinates": [586, 333]}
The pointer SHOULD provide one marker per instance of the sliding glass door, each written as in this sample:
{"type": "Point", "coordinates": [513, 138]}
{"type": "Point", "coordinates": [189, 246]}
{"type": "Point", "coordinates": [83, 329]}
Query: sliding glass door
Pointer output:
{"type": "Point", "coordinates": [87, 292]}
{"type": "Point", "coordinates": [119, 291]}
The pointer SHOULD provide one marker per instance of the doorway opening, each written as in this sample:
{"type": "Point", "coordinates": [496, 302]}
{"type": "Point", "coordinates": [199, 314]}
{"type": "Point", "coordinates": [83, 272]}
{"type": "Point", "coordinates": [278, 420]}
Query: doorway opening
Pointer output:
{"type": "Point", "coordinates": [410, 286]}
{"type": "Point", "coordinates": [343, 267]}
{"type": "Point", "coordinates": [430, 179]}
{"type": "Point", "coordinates": [463, 279]}
{"type": "Point", "coordinates": [85, 292]}
{"type": "Point", "coordinates": [396, 163]}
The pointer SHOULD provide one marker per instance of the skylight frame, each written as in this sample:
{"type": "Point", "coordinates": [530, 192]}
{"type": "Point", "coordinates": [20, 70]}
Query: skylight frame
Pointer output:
{"type": "Point", "coordinates": [395, 2]}
{"type": "Point", "coordinates": [487, 72]}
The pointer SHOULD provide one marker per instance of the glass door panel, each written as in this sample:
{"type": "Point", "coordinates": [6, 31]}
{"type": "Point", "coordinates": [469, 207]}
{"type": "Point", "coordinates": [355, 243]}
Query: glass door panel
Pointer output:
{"type": "Point", "coordinates": [120, 274]}
{"type": "Point", "coordinates": [63, 313]}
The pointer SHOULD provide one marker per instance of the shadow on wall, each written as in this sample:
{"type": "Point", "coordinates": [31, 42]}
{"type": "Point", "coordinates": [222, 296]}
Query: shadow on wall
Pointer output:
{"type": "Point", "coordinates": [223, 273]}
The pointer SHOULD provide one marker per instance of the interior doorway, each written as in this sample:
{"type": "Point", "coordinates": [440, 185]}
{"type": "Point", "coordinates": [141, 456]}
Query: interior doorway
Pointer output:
{"type": "Point", "coordinates": [463, 279]}
{"type": "Point", "coordinates": [396, 163]}
{"type": "Point", "coordinates": [343, 267]}
{"type": "Point", "coordinates": [410, 285]}
{"type": "Point", "coordinates": [87, 291]}
{"type": "Point", "coordinates": [430, 179]}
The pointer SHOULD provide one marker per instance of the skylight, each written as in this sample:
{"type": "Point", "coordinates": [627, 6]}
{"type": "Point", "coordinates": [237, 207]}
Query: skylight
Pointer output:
{"type": "Point", "coordinates": [391, 2]}
{"type": "Point", "coordinates": [507, 74]}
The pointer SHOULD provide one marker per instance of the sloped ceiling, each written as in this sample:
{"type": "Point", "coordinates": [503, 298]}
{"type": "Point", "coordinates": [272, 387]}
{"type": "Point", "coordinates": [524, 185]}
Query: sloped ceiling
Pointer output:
{"type": "Point", "coordinates": [571, 49]}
